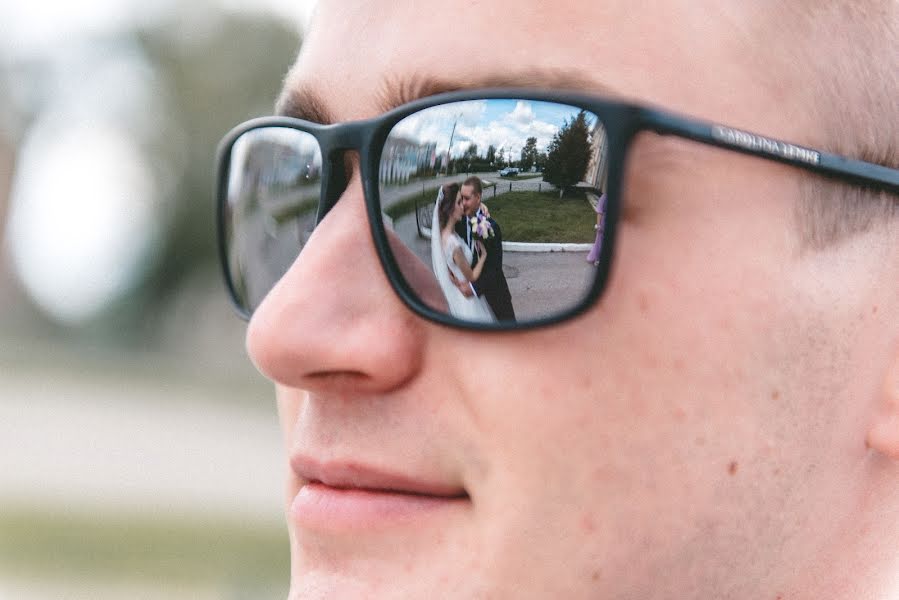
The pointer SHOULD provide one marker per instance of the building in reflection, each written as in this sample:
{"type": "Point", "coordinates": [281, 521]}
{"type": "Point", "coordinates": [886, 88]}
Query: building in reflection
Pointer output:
{"type": "Point", "coordinates": [281, 164]}
{"type": "Point", "coordinates": [598, 167]}
{"type": "Point", "coordinates": [404, 158]}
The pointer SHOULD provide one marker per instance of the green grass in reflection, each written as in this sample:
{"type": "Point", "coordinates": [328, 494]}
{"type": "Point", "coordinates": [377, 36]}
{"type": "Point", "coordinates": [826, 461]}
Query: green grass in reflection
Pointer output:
{"type": "Point", "coordinates": [543, 217]}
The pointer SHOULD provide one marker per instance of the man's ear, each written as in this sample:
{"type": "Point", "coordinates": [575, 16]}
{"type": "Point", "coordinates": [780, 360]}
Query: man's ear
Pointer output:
{"type": "Point", "coordinates": [883, 434]}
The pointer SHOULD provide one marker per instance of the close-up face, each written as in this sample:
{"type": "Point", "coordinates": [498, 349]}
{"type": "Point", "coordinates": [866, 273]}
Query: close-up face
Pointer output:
{"type": "Point", "coordinates": [681, 439]}
{"type": "Point", "coordinates": [471, 200]}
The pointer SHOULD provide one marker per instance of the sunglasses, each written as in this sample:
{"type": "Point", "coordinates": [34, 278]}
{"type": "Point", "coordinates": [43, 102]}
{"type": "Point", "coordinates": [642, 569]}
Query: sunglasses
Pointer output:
{"type": "Point", "coordinates": [542, 176]}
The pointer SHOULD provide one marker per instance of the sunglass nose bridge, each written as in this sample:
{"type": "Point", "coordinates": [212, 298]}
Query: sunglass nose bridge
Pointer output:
{"type": "Point", "coordinates": [334, 181]}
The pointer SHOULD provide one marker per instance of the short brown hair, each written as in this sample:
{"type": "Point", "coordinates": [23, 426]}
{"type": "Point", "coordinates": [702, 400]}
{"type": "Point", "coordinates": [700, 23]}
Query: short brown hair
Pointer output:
{"type": "Point", "coordinates": [475, 182]}
{"type": "Point", "coordinates": [853, 81]}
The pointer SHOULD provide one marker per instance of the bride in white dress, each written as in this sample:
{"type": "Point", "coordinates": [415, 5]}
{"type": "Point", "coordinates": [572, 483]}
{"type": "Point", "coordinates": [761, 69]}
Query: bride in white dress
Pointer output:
{"type": "Point", "coordinates": [450, 254]}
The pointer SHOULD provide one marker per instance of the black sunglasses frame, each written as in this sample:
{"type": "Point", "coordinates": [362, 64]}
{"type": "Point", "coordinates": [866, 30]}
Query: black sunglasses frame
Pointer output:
{"type": "Point", "coordinates": [622, 122]}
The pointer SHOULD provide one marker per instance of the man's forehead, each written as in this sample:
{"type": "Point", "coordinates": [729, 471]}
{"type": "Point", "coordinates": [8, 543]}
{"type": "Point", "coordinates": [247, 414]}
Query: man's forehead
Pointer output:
{"type": "Point", "coordinates": [363, 58]}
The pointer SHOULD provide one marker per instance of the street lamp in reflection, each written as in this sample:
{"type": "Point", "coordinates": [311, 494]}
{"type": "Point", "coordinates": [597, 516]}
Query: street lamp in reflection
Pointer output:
{"type": "Point", "coordinates": [450, 147]}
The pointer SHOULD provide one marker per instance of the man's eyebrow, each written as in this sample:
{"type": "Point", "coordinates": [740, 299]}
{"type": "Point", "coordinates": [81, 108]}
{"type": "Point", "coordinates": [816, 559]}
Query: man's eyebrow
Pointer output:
{"type": "Point", "coordinates": [397, 91]}
{"type": "Point", "coordinates": [303, 102]}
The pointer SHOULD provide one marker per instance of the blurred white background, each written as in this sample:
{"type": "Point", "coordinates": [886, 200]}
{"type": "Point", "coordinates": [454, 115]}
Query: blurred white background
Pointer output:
{"type": "Point", "coordinates": [139, 451]}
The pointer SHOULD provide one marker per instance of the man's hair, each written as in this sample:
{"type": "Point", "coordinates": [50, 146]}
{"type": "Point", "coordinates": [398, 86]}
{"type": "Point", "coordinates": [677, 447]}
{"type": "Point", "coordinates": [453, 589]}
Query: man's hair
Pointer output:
{"type": "Point", "coordinates": [475, 182]}
{"type": "Point", "coordinates": [447, 203]}
{"type": "Point", "coordinates": [848, 68]}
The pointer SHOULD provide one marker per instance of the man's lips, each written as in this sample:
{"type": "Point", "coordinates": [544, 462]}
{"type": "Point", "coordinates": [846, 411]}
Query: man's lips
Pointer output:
{"type": "Point", "coordinates": [351, 475]}
{"type": "Point", "coordinates": [347, 496]}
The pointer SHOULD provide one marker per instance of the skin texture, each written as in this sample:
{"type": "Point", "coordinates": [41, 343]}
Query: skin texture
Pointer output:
{"type": "Point", "coordinates": [722, 424]}
{"type": "Point", "coordinates": [471, 200]}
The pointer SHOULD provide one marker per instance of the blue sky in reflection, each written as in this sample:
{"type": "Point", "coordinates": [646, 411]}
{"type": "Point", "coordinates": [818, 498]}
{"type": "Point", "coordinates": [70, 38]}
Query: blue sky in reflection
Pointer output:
{"type": "Point", "coordinates": [504, 124]}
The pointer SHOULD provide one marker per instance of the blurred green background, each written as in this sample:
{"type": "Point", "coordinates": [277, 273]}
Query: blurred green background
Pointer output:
{"type": "Point", "coordinates": [139, 451]}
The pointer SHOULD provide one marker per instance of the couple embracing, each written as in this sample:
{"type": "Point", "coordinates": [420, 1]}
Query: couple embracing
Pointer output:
{"type": "Point", "coordinates": [467, 255]}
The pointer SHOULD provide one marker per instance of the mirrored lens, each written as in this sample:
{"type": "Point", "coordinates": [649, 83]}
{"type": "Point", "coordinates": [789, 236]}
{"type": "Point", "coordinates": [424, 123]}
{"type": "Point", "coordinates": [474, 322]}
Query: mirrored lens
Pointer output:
{"type": "Point", "coordinates": [271, 198]}
{"type": "Point", "coordinates": [501, 201]}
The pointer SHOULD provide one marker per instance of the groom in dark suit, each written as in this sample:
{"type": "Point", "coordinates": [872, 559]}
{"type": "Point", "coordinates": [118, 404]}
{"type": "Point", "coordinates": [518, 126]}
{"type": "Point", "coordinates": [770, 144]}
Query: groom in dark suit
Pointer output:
{"type": "Point", "coordinates": [492, 282]}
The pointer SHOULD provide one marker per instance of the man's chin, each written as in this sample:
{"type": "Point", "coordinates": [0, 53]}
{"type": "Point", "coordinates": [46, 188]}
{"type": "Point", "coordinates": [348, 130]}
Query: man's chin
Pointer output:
{"type": "Point", "coordinates": [381, 584]}
{"type": "Point", "coordinates": [314, 584]}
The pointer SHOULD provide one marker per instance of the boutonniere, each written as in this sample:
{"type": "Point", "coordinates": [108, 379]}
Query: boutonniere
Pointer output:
{"type": "Point", "coordinates": [481, 227]}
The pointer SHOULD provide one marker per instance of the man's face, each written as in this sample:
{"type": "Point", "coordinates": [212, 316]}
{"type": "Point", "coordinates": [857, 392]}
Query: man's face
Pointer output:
{"type": "Point", "coordinates": [471, 200]}
{"type": "Point", "coordinates": [663, 445]}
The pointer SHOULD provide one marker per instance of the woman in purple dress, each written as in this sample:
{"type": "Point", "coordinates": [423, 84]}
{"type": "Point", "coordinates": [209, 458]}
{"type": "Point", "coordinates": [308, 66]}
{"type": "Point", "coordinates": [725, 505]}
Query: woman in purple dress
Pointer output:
{"type": "Point", "coordinates": [593, 255]}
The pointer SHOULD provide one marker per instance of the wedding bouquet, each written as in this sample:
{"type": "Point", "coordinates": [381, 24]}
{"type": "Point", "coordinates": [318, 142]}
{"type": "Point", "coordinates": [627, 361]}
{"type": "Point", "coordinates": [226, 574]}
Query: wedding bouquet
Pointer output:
{"type": "Point", "coordinates": [481, 227]}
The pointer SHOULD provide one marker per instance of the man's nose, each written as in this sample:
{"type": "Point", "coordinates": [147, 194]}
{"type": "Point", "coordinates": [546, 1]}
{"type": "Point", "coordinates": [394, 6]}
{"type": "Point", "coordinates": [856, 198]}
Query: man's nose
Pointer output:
{"type": "Point", "coordinates": [333, 322]}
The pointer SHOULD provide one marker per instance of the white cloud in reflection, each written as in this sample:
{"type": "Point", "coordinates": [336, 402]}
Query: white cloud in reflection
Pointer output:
{"type": "Point", "coordinates": [81, 222]}
{"type": "Point", "coordinates": [437, 123]}
{"type": "Point", "coordinates": [503, 124]}
{"type": "Point", "coordinates": [522, 113]}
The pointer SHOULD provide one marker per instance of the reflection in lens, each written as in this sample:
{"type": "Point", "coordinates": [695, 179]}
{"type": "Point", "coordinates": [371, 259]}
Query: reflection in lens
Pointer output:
{"type": "Point", "coordinates": [271, 200]}
{"type": "Point", "coordinates": [503, 197]}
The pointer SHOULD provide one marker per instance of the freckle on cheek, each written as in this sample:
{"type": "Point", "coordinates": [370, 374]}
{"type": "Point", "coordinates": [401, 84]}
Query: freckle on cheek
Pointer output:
{"type": "Point", "coordinates": [544, 391]}
{"type": "Point", "coordinates": [775, 394]}
{"type": "Point", "coordinates": [586, 382]}
{"type": "Point", "coordinates": [643, 303]}
{"type": "Point", "coordinates": [732, 467]}
{"type": "Point", "coordinates": [601, 474]}
{"type": "Point", "coordinates": [588, 525]}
